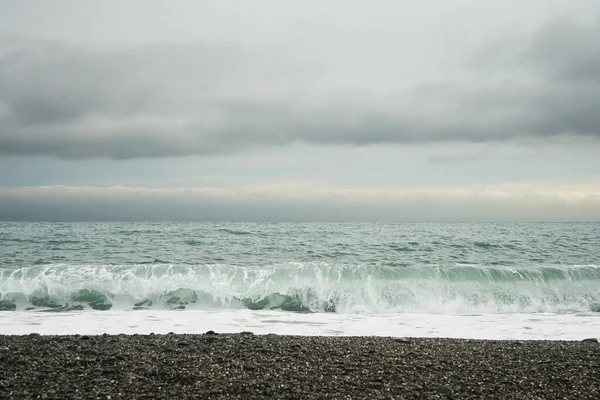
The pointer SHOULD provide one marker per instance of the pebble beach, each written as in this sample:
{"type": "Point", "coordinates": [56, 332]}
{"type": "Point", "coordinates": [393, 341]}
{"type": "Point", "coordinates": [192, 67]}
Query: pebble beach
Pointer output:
{"type": "Point", "coordinates": [248, 366]}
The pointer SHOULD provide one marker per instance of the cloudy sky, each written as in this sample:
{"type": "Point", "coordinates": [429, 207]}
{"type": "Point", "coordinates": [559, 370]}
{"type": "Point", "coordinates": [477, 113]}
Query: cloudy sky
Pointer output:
{"type": "Point", "coordinates": [461, 110]}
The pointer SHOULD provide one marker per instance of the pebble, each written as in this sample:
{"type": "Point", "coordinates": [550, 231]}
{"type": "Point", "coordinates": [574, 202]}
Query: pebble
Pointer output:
{"type": "Point", "coordinates": [445, 391]}
{"type": "Point", "coordinates": [244, 366]}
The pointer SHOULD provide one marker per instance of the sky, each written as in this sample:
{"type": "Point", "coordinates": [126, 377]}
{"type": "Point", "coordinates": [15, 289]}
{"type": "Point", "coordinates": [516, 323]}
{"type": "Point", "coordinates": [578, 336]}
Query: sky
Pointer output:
{"type": "Point", "coordinates": [328, 110]}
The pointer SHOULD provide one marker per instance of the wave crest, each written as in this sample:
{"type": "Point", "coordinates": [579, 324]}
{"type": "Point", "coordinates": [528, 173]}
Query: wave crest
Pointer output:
{"type": "Point", "coordinates": [304, 287]}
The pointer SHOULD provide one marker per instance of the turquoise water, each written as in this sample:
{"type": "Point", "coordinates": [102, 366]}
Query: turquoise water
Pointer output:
{"type": "Point", "coordinates": [301, 267]}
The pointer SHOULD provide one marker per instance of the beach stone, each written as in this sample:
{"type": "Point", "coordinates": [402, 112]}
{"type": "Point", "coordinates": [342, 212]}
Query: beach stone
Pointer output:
{"type": "Point", "coordinates": [271, 366]}
{"type": "Point", "coordinates": [445, 391]}
{"type": "Point", "coordinates": [211, 333]}
{"type": "Point", "coordinates": [590, 340]}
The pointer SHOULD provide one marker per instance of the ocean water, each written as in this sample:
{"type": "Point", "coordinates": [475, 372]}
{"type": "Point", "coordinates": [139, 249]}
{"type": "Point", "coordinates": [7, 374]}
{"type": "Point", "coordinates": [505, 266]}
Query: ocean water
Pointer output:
{"type": "Point", "coordinates": [480, 280]}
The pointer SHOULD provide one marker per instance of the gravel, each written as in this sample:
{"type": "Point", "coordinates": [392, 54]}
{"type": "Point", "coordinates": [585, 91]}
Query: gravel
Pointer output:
{"type": "Point", "coordinates": [246, 366]}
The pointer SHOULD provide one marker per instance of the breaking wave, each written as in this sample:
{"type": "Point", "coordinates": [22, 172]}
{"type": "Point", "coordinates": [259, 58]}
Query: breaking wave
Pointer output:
{"type": "Point", "coordinates": [303, 287]}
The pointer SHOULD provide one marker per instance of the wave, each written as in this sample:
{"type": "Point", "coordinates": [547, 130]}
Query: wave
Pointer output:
{"type": "Point", "coordinates": [234, 232]}
{"type": "Point", "coordinates": [303, 287]}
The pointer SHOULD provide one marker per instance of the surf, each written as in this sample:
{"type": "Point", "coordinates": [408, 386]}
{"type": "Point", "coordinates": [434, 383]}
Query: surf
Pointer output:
{"type": "Point", "coordinates": [312, 287]}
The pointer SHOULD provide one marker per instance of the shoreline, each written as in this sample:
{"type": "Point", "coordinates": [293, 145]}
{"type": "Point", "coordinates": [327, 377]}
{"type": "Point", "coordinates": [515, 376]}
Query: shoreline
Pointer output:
{"type": "Point", "coordinates": [484, 326]}
{"type": "Point", "coordinates": [248, 366]}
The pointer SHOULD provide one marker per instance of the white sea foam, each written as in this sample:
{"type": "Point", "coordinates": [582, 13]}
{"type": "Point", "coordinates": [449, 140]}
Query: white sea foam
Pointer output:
{"type": "Point", "coordinates": [550, 326]}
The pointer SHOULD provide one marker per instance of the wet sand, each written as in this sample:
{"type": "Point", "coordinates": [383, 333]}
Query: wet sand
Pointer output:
{"type": "Point", "coordinates": [246, 366]}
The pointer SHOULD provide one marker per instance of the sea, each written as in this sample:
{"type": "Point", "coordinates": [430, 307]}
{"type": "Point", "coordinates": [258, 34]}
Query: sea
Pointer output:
{"type": "Point", "coordinates": [461, 280]}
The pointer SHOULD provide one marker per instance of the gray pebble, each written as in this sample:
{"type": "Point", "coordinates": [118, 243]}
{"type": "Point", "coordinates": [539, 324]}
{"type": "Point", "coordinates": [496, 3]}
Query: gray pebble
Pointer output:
{"type": "Point", "coordinates": [445, 391]}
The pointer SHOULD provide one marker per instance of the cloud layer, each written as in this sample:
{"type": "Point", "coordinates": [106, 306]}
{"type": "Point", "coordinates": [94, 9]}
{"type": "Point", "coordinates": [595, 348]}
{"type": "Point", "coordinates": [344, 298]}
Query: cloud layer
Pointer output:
{"type": "Point", "coordinates": [64, 101]}
{"type": "Point", "coordinates": [306, 201]}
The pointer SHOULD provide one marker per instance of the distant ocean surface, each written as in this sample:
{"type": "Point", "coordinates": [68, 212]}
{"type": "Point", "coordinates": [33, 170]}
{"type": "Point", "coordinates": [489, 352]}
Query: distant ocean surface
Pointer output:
{"type": "Point", "coordinates": [490, 280]}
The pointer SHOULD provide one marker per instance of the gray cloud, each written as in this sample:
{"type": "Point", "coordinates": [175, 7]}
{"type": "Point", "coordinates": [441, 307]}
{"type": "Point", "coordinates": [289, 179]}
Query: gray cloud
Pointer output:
{"type": "Point", "coordinates": [567, 51]}
{"type": "Point", "coordinates": [64, 101]}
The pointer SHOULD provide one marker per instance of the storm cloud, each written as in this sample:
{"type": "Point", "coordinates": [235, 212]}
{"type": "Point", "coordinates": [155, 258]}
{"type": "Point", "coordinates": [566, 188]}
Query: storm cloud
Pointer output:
{"type": "Point", "coordinates": [66, 101]}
